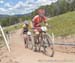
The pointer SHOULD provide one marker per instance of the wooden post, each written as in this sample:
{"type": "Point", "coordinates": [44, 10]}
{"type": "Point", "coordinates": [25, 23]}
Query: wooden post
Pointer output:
{"type": "Point", "coordinates": [6, 42]}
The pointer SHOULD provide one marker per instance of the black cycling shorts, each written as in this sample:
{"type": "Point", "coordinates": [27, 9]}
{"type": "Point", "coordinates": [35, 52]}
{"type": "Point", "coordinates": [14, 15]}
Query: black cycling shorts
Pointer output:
{"type": "Point", "coordinates": [25, 30]}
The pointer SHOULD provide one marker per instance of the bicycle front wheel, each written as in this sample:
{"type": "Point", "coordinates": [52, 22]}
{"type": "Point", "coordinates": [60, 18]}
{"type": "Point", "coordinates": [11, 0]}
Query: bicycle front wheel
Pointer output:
{"type": "Point", "coordinates": [48, 45]}
{"type": "Point", "coordinates": [30, 42]}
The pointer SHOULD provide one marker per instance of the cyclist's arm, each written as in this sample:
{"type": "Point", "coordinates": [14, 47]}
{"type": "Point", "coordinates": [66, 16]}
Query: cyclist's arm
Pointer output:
{"type": "Point", "coordinates": [45, 21]}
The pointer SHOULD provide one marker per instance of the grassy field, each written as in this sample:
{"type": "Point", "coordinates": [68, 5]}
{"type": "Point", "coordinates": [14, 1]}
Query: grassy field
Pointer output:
{"type": "Point", "coordinates": [63, 25]}
{"type": "Point", "coordinates": [13, 27]}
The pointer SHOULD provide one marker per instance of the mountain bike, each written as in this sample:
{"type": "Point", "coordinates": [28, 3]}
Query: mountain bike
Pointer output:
{"type": "Point", "coordinates": [29, 40]}
{"type": "Point", "coordinates": [44, 41]}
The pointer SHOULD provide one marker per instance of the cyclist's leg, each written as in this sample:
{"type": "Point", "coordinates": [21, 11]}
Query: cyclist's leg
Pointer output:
{"type": "Point", "coordinates": [25, 36]}
{"type": "Point", "coordinates": [35, 38]}
{"type": "Point", "coordinates": [37, 34]}
{"type": "Point", "coordinates": [25, 40]}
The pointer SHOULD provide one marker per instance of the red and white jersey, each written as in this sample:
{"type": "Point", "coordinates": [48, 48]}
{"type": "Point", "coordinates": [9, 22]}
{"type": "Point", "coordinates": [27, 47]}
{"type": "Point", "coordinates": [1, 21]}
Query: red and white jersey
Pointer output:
{"type": "Point", "coordinates": [37, 19]}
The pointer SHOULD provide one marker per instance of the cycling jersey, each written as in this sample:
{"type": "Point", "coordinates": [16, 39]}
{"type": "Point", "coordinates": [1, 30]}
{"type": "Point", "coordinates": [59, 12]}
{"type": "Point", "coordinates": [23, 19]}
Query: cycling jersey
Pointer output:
{"type": "Point", "coordinates": [37, 20]}
{"type": "Point", "coordinates": [27, 26]}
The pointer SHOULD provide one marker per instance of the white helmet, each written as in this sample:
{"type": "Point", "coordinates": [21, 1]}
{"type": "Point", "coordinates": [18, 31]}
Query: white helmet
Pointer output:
{"type": "Point", "coordinates": [26, 22]}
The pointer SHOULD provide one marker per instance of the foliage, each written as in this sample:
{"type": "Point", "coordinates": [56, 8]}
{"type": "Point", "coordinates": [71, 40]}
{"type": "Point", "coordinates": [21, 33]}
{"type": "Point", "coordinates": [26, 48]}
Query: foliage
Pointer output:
{"type": "Point", "coordinates": [57, 8]}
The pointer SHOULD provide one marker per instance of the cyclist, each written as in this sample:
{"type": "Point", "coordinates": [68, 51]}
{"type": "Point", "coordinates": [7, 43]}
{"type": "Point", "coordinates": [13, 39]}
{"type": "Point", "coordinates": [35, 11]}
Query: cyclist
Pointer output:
{"type": "Point", "coordinates": [25, 30]}
{"type": "Point", "coordinates": [26, 27]}
{"type": "Point", "coordinates": [37, 20]}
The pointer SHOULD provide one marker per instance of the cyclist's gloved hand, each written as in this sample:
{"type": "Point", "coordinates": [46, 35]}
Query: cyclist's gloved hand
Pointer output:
{"type": "Point", "coordinates": [46, 24]}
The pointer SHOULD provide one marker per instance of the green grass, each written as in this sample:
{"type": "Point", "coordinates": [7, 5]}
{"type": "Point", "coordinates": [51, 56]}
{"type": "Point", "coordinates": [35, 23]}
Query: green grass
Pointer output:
{"type": "Point", "coordinates": [63, 25]}
{"type": "Point", "coordinates": [13, 27]}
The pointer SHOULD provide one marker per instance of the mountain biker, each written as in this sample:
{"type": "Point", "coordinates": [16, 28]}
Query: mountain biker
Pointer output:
{"type": "Point", "coordinates": [26, 28]}
{"type": "Point", "coordinates": [38, 19]}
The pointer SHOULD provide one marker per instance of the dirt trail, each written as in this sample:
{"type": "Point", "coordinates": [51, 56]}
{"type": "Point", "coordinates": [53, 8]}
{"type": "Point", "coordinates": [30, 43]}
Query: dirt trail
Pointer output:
{"type": "Point", "coordinates": [21, 55]}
